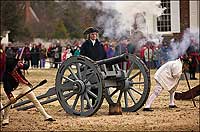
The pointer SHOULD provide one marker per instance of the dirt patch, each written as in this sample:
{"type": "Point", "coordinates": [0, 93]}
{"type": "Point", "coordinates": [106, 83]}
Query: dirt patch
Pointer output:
{"type": "Point", "coordinates": [183, 118]}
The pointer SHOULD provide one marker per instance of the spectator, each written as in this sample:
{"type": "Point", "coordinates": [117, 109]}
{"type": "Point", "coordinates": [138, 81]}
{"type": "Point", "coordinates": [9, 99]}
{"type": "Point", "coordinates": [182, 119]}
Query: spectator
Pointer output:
{"type": "Point", "coordinates": [121, 47]}
{"type": "Point", "coordinates": [131, 47]}
{"type": "Point", "coordinates": [156, 57]}
{"type": "Point", "coordinates": [164, 54]}
{"type": "Point", "coordinates": [50, 55]}
{"type": "Point", "coordinates": [43, 56]}
{"type": "Point", "coordinates": [193, 54]}
{"type": "Point", "coordinates": [77, 51]}
{"type": "Point", "coordinates": [35, 56]}
{"type": "Point", "coordinates": [142, 52]}
{"type": "Point", "coordinates": [27, 54]}
{"type": "Point", "coordinates": [148, 55]}
{"type": "Point", "coordinates": [10, 53]}
{"type": "Point", "coordinates": [111, 51]}
{"type": "Point", "coordinates": [67, 53]}
{"type": "Point", "coordinates": [57, 55]}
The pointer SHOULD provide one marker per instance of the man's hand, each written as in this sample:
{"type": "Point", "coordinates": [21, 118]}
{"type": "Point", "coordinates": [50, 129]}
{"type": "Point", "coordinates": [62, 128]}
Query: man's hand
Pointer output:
{"type": "Point", "coordinates": [13, 100]}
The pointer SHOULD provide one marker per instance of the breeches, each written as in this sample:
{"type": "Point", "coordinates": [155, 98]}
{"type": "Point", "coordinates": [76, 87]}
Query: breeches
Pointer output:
{"type": "Point", "coordinates": [158, 88]}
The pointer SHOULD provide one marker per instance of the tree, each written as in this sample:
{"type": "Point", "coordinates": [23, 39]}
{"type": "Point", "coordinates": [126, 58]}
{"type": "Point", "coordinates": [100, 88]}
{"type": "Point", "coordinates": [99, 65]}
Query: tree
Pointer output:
{"type": "Point", "coordinates": [60, 31]}
{"type": "Point", "coordinates": [12, 20]}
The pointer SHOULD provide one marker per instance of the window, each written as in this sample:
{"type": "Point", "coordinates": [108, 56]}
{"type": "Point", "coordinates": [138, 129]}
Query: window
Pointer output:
{"type": "Point", "coordinates": [164, 21]}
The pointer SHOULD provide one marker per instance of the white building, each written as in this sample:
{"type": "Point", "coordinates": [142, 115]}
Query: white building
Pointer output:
{"type": "Point", "coordinates": [5, 39]}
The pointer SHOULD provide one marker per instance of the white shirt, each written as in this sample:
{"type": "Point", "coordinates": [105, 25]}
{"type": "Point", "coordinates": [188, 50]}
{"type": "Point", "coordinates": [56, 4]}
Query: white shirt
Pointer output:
{"type": "Point", "coordinates": [93, 41]}
{"type": "Point", "coordinates": [169, 74]}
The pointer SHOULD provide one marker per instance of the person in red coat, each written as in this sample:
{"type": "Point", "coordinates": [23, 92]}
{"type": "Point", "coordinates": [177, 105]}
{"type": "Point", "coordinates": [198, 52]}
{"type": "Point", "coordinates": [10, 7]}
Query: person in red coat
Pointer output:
{"type": "Point", "coordinates": [12, 77]}
{"type": "Point", "coordinates": [2, 61]}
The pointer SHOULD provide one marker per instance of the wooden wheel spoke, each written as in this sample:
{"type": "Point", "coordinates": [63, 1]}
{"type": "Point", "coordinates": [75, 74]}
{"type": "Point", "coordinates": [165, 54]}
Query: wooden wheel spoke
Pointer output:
{"type": "Point", "coordinates": [125, 99]}
{"type": "Point", "coordinates": [67, 78]}
{"type": "Point", "coordinates": [120, 96]}
{"type": "Point", "coordinates": [136, 91]}
{"type": "Point", "coordinates": [114, 92]}
{"type": "Point", "coordinates": [88, 100]}
{"type": "Point", "coordinates": [129, 71]}
{"type": "Point", "coordinates": [89, 77]}
{"type": "Point", "coordinates": [93, 86]}
{"type": "Point", "coordinates": [131, 95]}
{"type": "Point", "coordinates": [82, 103]}
{"type": "Point", "coordinates": [135, 75]}
{"type": "Point", "coordinates": [84, 67]}
{"type": "Point", "coordinates": [78, 71]}
{"type": "Point", "coordinates": [92, 94]}
{"type": "Point", "coordinates": [75, 101]}
{"type": "Point", "coordinates": [69, 95]}
{"type": "Point", "coordinates": [72, 72]}
{"type": "Point", "coordinates": [136, 83]}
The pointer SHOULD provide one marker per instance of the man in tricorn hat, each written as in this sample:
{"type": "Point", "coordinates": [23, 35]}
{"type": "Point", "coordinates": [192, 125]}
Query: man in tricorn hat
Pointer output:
{"type": "Point", "coordinates": [93, 49]}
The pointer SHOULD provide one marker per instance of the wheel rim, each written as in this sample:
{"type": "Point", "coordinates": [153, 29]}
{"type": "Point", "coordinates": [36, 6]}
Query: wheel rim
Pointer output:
{"type": "Point", "coordinates": [134, 88]}
{"type": "Point", "coordinates": [76, 80]}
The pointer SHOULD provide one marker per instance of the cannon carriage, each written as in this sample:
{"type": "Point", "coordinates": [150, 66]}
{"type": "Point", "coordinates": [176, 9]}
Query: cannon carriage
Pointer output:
{"type": "Point", "coordinates": [121, 79]}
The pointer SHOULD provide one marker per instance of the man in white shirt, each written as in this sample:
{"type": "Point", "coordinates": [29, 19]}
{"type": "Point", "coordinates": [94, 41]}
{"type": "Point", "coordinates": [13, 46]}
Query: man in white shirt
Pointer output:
{"type": "Point", "coordinates": [167, 77]}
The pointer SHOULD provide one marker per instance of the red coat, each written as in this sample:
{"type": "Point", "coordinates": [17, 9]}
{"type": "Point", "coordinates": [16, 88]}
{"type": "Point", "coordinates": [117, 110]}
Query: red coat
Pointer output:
{"type": "Point", "coordinates": [2, 63]}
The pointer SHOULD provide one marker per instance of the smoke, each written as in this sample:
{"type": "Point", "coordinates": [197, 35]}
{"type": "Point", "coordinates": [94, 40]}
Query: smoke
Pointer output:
{"type": "Point", "coordinates": [179, 48]}
{"type": "Point", "coordinates": [120, 16]}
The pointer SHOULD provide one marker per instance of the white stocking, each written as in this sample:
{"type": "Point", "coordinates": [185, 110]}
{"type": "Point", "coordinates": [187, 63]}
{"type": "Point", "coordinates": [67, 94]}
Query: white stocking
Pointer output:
{"type": "Point", "coordinates": [2, 112]}
{"type": "Point", "coordinates": [6, 115]}
{"type": "Point", "coordinates": [31, 96]}
{"type": "Point", "coordinates": [155, 93]}
{"type": "Point", "coordinates": [172, 98]}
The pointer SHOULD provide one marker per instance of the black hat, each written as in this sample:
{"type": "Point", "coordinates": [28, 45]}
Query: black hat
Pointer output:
{"type": "Point", "coordinates": [185, 59]}
{"type": "Point", "coordinates": [90, 30]}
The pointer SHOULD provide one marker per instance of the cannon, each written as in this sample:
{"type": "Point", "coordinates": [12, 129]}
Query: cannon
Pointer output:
{"type": "Point", "coordinates": [123, 79]}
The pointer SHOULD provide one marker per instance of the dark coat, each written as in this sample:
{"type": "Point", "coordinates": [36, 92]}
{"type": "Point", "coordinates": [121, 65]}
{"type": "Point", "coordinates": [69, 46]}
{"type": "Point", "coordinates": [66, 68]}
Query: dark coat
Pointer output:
{"type": "Point", "coordinates": [10, 82]}
{"type": "Point", "coordinates": [95, 52]}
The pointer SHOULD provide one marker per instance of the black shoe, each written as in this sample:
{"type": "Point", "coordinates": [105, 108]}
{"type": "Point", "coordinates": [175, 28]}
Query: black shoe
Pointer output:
{"type": "Point", "coordinates": [5, 124]}
{"type": "Point", "coordinates": [50, 119]}
{"type": "Point", "coordinates": [147, 109]}
{"type": "Point", "coordinates": [173, 106]}
{"type": "Point", "coordinates": [193, 78]}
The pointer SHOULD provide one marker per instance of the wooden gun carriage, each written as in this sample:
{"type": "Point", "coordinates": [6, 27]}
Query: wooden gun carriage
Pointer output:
{"type": "Point", "coordinates": [124, 78]}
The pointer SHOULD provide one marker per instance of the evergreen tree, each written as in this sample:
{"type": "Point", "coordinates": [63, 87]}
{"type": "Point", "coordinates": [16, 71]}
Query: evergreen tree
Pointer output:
{"type": "Point", "coordinates": [60, 31]}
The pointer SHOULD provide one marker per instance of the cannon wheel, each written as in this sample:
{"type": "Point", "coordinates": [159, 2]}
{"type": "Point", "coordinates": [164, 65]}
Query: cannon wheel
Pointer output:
{"type": "Point", "coordinates": [134, 85]}
{"type": "Point", "coordinates": [76, 79]}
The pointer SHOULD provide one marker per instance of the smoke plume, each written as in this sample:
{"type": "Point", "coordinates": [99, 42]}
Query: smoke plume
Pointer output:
{"type": "Point", "coordinates": [178, 49]}
{"type": "Point", "coordinates": [120, 16]}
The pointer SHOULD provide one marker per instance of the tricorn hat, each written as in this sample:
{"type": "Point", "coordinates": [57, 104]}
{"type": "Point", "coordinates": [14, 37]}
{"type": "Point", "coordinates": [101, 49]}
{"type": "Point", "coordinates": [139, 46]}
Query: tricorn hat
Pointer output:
{"type": "Point", "coordinates": [90, 30]}
{"type": "Point", "coordinates": [185, 59]}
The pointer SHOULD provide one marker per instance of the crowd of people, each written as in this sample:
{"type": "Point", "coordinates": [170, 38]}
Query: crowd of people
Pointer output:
{"type": "Point", "coordinates": [153, 55]}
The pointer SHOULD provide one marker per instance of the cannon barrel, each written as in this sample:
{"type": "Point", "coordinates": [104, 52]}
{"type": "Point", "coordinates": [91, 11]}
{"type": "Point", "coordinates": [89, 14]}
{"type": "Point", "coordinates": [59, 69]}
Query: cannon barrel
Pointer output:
{"type": "Point", "coordinates": [114, 60]}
